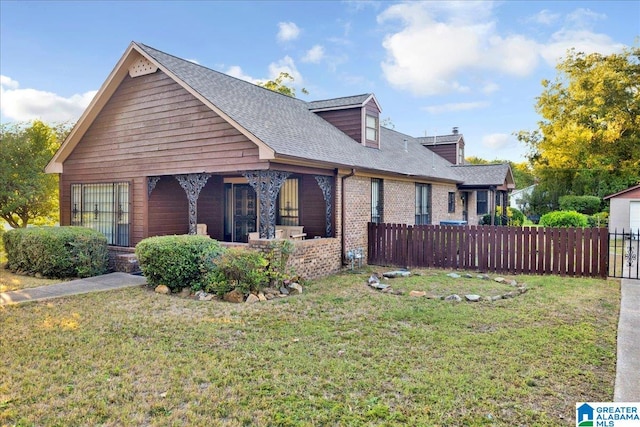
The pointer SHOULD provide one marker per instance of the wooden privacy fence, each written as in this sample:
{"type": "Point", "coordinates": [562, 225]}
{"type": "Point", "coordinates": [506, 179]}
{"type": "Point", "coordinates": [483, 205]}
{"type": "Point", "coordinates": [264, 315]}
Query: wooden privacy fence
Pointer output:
{"type": "Point", "coordinates": [487, 248]}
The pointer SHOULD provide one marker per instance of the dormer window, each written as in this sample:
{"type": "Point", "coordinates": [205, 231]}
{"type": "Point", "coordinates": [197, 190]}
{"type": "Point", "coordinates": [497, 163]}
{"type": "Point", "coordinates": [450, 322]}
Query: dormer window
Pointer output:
{"type": "Point", "coordinates": [371, 128]}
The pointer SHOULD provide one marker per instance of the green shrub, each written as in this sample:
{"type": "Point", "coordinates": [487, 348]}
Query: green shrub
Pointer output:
{"type": "Point", "coordinates": [241, 269]}
{"type": "Point", "coordinates": [563, 219]}
{"type": "Point", "coordinates": [587, 205]}
{"type": "Point", "coordinates": [600, 219]}
{"type": "Point", "coordinates": [515, 218]}
{"type": "Point", "coordinates": [178, 261]}
{"type": "Point", "coordinates": [57, 252]}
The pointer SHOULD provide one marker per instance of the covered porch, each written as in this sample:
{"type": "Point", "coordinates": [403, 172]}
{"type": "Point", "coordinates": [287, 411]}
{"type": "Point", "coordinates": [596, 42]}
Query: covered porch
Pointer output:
{"type": "Point", "coordinates": [261, 204]}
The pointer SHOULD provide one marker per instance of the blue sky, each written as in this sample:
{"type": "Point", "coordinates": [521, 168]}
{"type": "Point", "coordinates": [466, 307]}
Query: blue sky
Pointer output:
{"type": "Point", "coordinates": [431, 65]}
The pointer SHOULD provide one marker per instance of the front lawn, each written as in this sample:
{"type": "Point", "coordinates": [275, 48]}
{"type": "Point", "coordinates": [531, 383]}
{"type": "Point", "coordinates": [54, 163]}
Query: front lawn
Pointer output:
{"type": "Point", "coordinates": [339, 354]}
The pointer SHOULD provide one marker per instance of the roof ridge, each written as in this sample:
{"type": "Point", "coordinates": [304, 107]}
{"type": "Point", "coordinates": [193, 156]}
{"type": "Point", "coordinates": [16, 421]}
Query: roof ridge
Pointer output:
{"type": "Point", "coordinates": [217, 72]}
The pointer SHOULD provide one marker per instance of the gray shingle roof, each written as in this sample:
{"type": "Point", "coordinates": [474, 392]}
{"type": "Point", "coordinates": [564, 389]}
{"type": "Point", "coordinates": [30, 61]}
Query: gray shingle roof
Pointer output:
{"type": "Point", "coordinates": [288, 126]}
{"type": "Point", "coordinates": [344, 102]}
{"type": "Point", "coordinates": [439, 139]}
{"type": "Point", "coordinates": [482, 175]}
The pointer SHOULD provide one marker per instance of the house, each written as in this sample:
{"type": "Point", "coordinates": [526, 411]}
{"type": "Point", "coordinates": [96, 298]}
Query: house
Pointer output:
{"type": "Point", "coordinates": [168, 146]}
{"type": "Point", "coordinates": [624, 210]}
{"type": "Point", "coordinates": [518, 199]}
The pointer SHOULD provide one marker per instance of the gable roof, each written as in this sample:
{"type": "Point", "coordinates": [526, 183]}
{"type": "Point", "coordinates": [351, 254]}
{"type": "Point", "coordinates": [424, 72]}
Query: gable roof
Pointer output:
{"type": "Point", "coordinates": [283, 127]}
{"type": "Point", "coordinates": [343, 102]}
{"type": "Point", "coordinates": [620, 193]}
{"type": "Point", "coordinates": [440, 139]}
{"type": "Point", "coordinates": [475, 176]}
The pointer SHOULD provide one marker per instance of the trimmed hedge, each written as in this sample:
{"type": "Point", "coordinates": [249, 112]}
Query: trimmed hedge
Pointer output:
{"type": "Point", "coordinates": [57, 252]}
{"type": "Point", "coordinates": [178, 261]}
{"type": "Point", "coordinates": [587, 205]}
{"type": "Point", "coordinates": [563, 219]}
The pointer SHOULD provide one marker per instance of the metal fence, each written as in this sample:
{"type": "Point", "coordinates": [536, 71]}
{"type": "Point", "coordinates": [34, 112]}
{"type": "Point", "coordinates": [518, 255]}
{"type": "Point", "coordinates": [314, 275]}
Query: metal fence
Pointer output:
{"type": "Point", "coordinates": [624, 247]}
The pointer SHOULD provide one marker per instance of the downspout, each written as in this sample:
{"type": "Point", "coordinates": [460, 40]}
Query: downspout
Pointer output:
{"type": "Point", "coordinates": [342, 213]}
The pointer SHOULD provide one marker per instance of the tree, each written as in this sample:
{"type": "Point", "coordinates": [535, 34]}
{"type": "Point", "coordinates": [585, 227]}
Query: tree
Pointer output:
{"type": "Point", "coordinates": [27, 194]}
{"type": "Point", "coordinates": [588, 141]}
{"type": "Point", "coordinates": [277, 85]}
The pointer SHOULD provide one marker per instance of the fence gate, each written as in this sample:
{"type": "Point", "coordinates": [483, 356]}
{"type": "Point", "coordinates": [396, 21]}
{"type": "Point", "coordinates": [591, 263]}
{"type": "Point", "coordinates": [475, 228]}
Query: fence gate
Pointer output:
{"type": "Point", "coordinates": [624, 249]}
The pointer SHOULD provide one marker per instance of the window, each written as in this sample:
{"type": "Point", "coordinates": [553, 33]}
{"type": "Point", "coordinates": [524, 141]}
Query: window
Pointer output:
{"type": "Point", "coordinates": [423, 204]}
{"type": "Point", "coordinates": [482, 206]}
{"type": "Point", "coordinates": [288, 210]}
{"type": "Point", "coordinates": [452, 202]}
{"type": "Point", "coordinates": [372, 128]}
{"type": "Point", "coordinates": [376, 200]}
{"type": "Point", "coordinates": [103, 207]}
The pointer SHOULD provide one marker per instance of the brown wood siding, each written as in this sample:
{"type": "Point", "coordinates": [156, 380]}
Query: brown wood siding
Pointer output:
{"type": "Point", "coordinates": [312, 208]}
{"type": "Point", "coordinates": [211, 207]}
{"type": "Point", "coordinates": [447, 151]}
{"type": "Point", "coordinates": [168, 208]}
{"type": "Point", "coordinates": [151, 126]}
{"type": "Point", "coordinates": [348, 121]}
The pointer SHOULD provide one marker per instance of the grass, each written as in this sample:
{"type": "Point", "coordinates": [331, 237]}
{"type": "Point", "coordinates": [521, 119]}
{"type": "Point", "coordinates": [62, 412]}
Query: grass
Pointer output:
{"type": "Point", "coordinates": [14, 282]}
{"type": "Point", "coordinates": [339, 354]}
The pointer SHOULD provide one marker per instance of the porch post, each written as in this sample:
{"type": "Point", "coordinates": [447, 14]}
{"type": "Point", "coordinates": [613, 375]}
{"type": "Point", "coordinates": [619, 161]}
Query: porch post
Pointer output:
{"type": "Point", "coordinates": [326, 184]}
{"type": "Point", "coordinates": [192, 184]}
{"type": "Point", "coordinates": [266, 184]}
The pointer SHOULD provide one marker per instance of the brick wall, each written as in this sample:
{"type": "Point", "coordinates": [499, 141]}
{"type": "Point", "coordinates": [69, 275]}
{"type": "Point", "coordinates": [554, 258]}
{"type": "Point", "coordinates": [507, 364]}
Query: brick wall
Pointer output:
{"type": "Point", "coordinates": [310, 258]}
{"type": "Point", "coordinates": [399, 202]}
{"type": "Point", "coordinates": [123, 260]}
{"type": "Point", "coordinates": [357, 192]}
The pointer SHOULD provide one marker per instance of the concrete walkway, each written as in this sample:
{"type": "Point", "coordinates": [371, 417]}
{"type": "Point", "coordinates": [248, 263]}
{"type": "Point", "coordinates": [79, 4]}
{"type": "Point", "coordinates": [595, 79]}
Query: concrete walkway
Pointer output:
{"type": "Point", "coordinates": [106, 282]}
{"type": "Point", "coordinates": [627, 388]}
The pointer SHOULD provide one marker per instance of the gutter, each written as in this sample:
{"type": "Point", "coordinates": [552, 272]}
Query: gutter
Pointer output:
{"type": "Point", "coordinates": [342, 214]}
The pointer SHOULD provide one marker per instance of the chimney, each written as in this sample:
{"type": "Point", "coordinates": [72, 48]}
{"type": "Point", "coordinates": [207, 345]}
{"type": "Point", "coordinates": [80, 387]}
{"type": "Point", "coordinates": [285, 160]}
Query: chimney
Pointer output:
{"type": "Point", "coordinates": [455, 130]}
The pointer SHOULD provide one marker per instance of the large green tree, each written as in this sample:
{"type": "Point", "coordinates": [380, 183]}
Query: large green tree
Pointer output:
{"type": "Point", "coordinates": [588, 141]}
{"type": "Point", "coordinates": [27, 194]}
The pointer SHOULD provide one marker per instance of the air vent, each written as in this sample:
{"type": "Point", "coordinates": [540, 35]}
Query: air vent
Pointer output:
{"type": "Point", "coordinates": [142, 67]}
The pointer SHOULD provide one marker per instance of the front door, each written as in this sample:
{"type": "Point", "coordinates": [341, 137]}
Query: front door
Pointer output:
{"type": "Point", "coordinates": [240, 213]}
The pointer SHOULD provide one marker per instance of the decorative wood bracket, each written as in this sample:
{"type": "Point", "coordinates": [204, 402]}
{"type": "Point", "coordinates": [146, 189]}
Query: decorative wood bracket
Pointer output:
{"type": "Point", "coordinates": [151, 184]}
{"type": "Point", "coordinates": [192, 184]}
{"type": "Point", "coordinates": [326, 184]}
{"type": "Point", "coordinates": [267, 186]}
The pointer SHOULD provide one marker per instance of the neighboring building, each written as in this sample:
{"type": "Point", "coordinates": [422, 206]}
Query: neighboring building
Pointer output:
{"type": "Point", "coordinates": [518, 198]}
{"type": "Point", "coordinates": [624, 210]}
{"type": "Point", "coordinates": [168, 146]}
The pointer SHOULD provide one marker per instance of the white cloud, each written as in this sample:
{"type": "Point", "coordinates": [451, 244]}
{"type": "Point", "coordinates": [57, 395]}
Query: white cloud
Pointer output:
{"type": "Point", "coordinates": [236, 71]}
{"type": "Point", "coordinates": [314, 55]}
{"type": "Point", "coordinates": [443, 47]}
{"type": "Point", "coordinates": [490, 87]}
{"type": "Point", "coordinates": [544, 17]}
{"type": "Point", "coordinates": [496, 141]}
{"type": "Point", "coordinates": [287, 31]}
{"type": "Point", "coordinates": [29, 104]}
{"type": "Point", "coordinates": [442, 43]}
{"type": "Point", "coordinates": [286, 65]}
{"type": "Point", "coordinates": [458, 106]}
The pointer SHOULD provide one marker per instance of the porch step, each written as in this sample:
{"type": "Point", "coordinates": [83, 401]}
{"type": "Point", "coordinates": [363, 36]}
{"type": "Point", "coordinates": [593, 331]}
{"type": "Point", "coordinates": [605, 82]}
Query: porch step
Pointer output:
{"type": "Point", "coordinates": [127, 263]}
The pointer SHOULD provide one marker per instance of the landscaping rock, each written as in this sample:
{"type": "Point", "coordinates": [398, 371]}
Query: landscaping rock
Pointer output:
{"type": "Point", "coordinates": [483, 276]}
{"type": "Point", "coordinates": [284, 290]}
{"type": "Point", "coordinates": [468, 276]}
{"type": "Point", "coordinates": [379, 286]}
{"type": "Point", "coordinates": [234, 296]}
{"type": "Point", "coordinates": [373, 279]}
{"type": "Point", "coordinates": [163, 289]}
{"type": "Point", "coordinates": [472, 297]}
{"type": "Point", "coordinates": [453, 297]}
{"type": "Point", "coordinates": [513, 283]}
{"type": "Point", "coordinates": [185, 293]}
{"type": "Point", "coordinates": [454, 275]}
{"type": "Point", "coordinates": [397, 273]}
{"type": "Point", "coordinates": [252, 299]}
{"type": "Point", "coordinates": [417, 293]}
{"type": "Point", "coordinates": [295, 288]}
{"type": "Point", "coordinates": [262, 297]}
{"type": "Point", "coordinates": [499, 280]}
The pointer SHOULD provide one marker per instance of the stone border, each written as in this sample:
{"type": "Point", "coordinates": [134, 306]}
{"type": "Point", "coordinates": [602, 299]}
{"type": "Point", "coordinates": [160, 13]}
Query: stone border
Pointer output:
{"type": "Point", "coordinates": [519, 288]}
